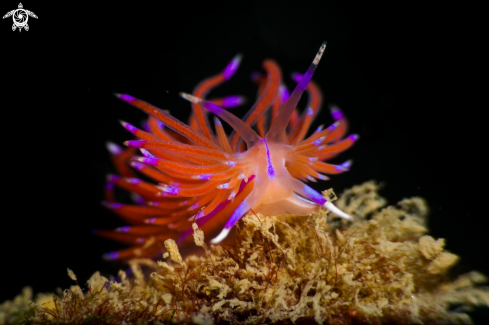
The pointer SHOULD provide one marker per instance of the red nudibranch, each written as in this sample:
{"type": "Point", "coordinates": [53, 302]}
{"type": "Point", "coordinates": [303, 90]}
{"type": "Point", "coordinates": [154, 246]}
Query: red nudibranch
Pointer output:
{"type": "Point", "coordinates": [195, 174]}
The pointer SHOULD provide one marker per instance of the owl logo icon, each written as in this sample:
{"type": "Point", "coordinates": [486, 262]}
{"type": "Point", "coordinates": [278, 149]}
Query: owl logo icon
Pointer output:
{"type": "Point", "coordinates": [20, 17]}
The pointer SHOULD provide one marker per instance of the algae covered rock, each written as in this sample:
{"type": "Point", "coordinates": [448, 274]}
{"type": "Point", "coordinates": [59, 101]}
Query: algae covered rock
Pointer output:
{"type": "Point", "coordinates": [382, 268]}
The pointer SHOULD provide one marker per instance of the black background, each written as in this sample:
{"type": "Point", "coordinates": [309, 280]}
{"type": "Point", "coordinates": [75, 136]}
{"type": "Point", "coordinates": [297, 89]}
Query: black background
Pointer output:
{"type": "Point", "coordinates": [409, 76]}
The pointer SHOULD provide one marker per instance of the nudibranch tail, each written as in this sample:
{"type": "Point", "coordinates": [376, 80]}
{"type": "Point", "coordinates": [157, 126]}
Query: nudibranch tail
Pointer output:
{"type": "Point", "coordinates": [193, 173]}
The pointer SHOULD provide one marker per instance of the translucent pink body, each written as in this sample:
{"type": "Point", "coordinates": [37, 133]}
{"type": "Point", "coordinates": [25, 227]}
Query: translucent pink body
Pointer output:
{"type": "Point", "coordinates": [274, 194]}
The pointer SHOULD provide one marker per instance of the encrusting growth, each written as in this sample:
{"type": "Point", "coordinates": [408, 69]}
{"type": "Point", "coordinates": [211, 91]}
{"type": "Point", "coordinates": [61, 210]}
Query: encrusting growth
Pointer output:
{"type": "Point", "coordinates": [384, 268]}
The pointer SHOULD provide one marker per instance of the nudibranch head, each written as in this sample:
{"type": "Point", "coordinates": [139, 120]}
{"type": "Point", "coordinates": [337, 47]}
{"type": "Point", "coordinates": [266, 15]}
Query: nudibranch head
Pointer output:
{"type": "Point", "coordinates": [199, 175]}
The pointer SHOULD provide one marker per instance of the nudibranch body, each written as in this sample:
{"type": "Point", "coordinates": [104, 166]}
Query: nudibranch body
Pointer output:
{"type": "Point", "coordinates": [198, 176]}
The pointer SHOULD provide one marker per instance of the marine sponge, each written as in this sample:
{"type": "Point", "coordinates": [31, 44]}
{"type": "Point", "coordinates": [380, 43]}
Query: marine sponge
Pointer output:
{"type": "Point", "coordinates": [383, 268]}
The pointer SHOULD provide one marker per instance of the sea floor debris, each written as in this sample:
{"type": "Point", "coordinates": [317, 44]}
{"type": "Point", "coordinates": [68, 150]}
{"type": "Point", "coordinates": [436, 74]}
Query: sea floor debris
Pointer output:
{"type": "Point", "coordinates": [383, 268]}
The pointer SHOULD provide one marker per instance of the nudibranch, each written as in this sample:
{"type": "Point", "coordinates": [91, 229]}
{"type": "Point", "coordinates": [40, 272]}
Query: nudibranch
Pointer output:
{"type": "Point", "coordinates": [190, 173]}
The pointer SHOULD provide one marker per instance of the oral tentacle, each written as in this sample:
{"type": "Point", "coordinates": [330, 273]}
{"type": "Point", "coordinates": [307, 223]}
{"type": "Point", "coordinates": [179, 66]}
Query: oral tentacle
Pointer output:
{"type": "Point", "coordinates": [280, 123]}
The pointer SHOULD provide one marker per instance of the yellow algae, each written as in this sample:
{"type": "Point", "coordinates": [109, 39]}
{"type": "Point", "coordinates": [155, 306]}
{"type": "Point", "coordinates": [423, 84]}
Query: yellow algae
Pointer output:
{"type": "Point", "coordinates": [382, 268]}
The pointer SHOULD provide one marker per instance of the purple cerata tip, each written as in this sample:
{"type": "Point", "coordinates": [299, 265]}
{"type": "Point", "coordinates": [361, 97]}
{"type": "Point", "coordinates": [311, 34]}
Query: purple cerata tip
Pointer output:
{"type": "Point", "coordinates": [94, 232]}
{"type": "Point", "coordinates": [323, 177]}
{"type": "Point", "coordinates": [123, 229]}
{"type": "Point", "coordinates": [113, 148]}
{"type": "Point", "coordinates": [109, 186]}
{"type": "Point", "coordinates": [147, 160]}
{"type": "Point", "coordinates": [145, 126]}
{"type": "Point", "coordinates": [336, 113]}
{"type": "Point", "coordinates": [297, 76]}
{"type": "Point", "coordinates": [111, 178]}
{"type": "Point", "coordinates": [318, 141]}
{"type": "Point", "coordinates": [138, 199]}
{"type": "Point", "coordinates": [151, 220]}
{"type": "Point", "coordinates": [353, 137]}
{"type": "Point", "coordinates": [204, 177]}
{"type": "Point", "coordinates": [232, 101]}
{"type": "Point", "coordinates": [137, 165]}
{"type": "Point", "coordinates": [284, 93]}
{"type": "Point", "coordinates": [223, 186]}
{"type": "Point", "coordinates": [110, 256]}
{"type": "Point", "coordinates": [232, 67]}
{"type": "Point", "coordinates": [131, 128]}
{"type": "Point", "coordinates": [347, 164]}
{"type": "Point", "coordinates": [169, 189]}
{"type": "Point", "coordinates": [133, 181]}
{"type": "Point", "coordinates": [160, 124]}
{"type": "Point", "coordinates": [146, 153]}
{"type": "Point", "coordinates": [217, 122]}
{"type": "Point", "coordinates": [125, 97]}
{"type": "Point", "coordinates": [133, 143]}
{"type": "Point", "coordinates": [199, 215]}
{"type": "Point", "coordinates": [112, 205]}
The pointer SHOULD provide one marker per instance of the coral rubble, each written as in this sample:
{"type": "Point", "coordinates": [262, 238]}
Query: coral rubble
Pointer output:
{"type": "Point", "coordinates": [383, 268]}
